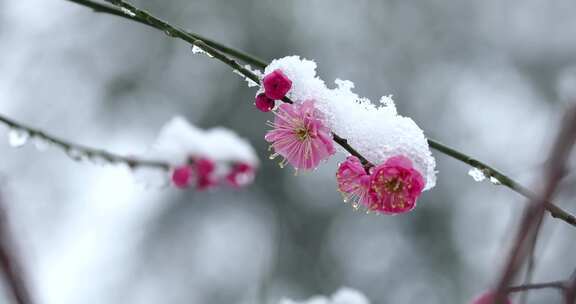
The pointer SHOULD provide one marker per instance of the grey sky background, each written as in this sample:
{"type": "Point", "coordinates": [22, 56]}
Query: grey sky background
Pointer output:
{"type": "Point", "coordinates": [489, 77]}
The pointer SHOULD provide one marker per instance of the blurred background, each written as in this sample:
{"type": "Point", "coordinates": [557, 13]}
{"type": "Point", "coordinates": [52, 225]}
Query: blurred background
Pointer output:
{"type": "Point", "coordinates": [491, 78]}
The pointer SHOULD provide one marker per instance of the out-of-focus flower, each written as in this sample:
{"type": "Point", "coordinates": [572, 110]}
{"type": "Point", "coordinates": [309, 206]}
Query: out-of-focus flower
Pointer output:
{"type": "Point", "coordinates": [181, 176]}
{"type": "Point", "coordinates": [396, 186]}
{"type": "Point", "coordinates": [300, 136]}
{"type": "Point", "coordinates": [198, 172]}
{"type": "Point", "coordinates": [204, 169]}
{"type": "Point", "coordinates": [276, 84]}
{"type": "Point", "coordinates": [354, 182]}
{"type": "Point", "coordinates": [204, 158]}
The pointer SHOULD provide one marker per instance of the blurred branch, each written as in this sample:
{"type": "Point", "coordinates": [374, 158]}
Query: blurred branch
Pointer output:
{"type": "Point", "coordinates": [533, 214]}
{"type": "Point", "coordinates": [530, 267]}
{"type": "Point", "coordinates": [77, 151]}
{"type": "Point", "coordinates": [10, 264]}
{"type": "Point", "coordinates": [570, 286]}
{"type": "Point", "coordinates": [567, 287]}
{"type": "Point", "coordinates": [523, 288]}
{"type": "Point", "coordinates": [218, 50]}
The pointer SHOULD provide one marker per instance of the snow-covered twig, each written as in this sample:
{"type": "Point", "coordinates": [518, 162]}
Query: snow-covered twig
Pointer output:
{"type": "Point", "coordinates": [217, 50]}
{"type": "Point", "coordinates": [77, 151]}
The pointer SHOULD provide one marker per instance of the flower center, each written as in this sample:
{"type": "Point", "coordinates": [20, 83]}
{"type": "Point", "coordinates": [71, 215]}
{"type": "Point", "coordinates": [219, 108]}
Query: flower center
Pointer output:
{"type": "Point", "coordinates": [302, 134]}
{"type": "Point", "coordinates": [394, 185]}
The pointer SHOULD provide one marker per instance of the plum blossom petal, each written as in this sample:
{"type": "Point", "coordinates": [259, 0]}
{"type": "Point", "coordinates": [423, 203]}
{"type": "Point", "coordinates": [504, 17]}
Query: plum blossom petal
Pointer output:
{"type": "Point", "coordinates": [300, 136]}
{"type": "Point", "coordinates": [276, 84]}
{"type": "Point", "coordinates": [354, 182]}
{"type": "Point", "coordinates": [396, 186]}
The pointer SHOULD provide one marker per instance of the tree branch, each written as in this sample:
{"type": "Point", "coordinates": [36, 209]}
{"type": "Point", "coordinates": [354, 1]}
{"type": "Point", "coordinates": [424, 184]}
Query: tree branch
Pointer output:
{"type": "Point", "coordinates": [79, 151]}
{"type": "Point", "coordinates": [534, 212]}
{"type": "Point", "coordinates": [218, 50]}
{"type": "Point", "coordinates": [10, 264]}
{"type": "Point", "coordinates": [522, 288]}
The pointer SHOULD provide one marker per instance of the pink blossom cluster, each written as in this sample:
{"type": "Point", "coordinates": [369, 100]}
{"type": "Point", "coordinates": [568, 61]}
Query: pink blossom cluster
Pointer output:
{"type": "Point", "coordinates": [200, 172]}
{"type": "Point", "coordinates": [301, 136]}
{"type": "Point", "coordinates": [390, 188]}
{"type": "Point", "coordinates": [205, 159]}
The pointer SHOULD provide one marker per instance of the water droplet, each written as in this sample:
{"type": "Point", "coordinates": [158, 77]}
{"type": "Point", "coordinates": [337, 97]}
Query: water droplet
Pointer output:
{"type": "Point", "coordinates": [477, 174]}
{"type": "Point", "coordinates": [495, 181]}
{"type": "Point", "coordinates": [99, 160]}
{"type": "Point", "coordinates": [18, 137]}
{"type": "Point", "coordinates": [76, 154]}
{"type": "Point", "coordinates": [40, 143]}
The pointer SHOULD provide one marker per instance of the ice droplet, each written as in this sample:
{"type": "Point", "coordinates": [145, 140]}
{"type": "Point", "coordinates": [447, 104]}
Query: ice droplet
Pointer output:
{"type": "Point", "coordinates": [99, 160]}
{"type": "Point", "coordinates": [18, 137]}
{"type": "Point", "coordinates": [198, 50]}
{"type": "Point", "coordinates": [477, 174]}
{"type": "Point", "coordinates": [75, 154]}
{"type": "Point", "coordinates": [128, 12]}
{"type": "Point", "coordinates": [40, 143]}
{"type": "Point", "coordinates": [495, 181]}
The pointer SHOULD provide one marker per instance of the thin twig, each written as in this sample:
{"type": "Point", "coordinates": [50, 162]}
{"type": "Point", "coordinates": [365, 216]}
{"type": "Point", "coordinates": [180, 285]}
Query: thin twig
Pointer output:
{"type": "Point", "coordinates": [78, 152]}
{"type": "Point", "coordinates": [10, 264]}
{"type": "Point", "coordinates": [526, 287]}
{"type": "Point", "coordinates": [570, 289]}
{"type": "Point", "coordinates": [103, 8]}
{"type": "Point", "coordinates": [534, 212]}
{"type": "Point", "coordinates": [133, 13]}
{"type": "Point", "coordinates": [529, 267]}
{"type": "Point", "coordinates": [212, 47]}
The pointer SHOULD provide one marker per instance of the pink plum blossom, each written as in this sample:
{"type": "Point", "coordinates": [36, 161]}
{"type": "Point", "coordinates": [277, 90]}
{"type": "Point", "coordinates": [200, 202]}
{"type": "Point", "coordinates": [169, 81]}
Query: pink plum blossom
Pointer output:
{"type": "Point", "coordinates": [264, 103]}
{"type": "Point", "coordinates": [199, 172]}
{"type": "Point", "coordinates": [204, 168]}
{"type": "Point", "coordinates": [354, 181]}
{"type": "Point", "coordinates": [181, 176]}
{"type": "Point", "coordinates": [300, 136]}
{"type": "Point", "coordinates": [396, 186]}
{"type": "Point", "coordinates": [276, 84]}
